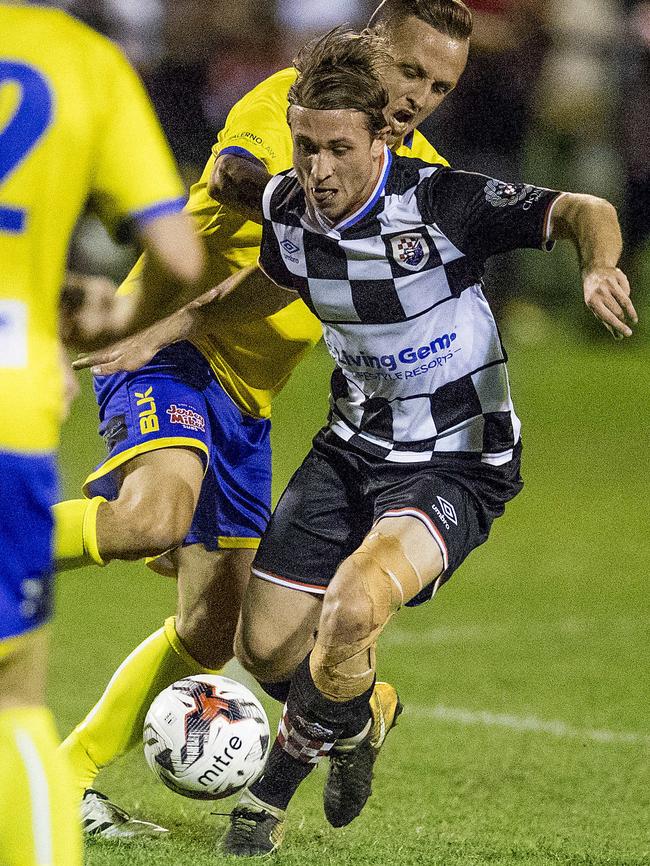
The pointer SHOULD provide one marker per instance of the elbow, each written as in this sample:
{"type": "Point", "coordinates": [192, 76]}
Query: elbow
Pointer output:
{"type": "Point", "coordinates": [222, 179]}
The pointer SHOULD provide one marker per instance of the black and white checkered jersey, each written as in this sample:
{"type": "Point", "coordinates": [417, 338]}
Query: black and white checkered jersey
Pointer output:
{"type": "Point", "coordinates": [420, 368]}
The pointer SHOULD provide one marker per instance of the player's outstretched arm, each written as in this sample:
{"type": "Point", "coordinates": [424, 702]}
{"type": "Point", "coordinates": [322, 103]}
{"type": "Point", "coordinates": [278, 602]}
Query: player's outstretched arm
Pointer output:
{"type": "Point", "coordinates": [591, 223]}
{"type": "Point", "coordinates": [93, 316]}
{"type": "Point", "coordinates": [171, 277]}
{"type": "Point", "coordinates": [245, 296]}
{"type": "Point", "coordinates": [239, 183]}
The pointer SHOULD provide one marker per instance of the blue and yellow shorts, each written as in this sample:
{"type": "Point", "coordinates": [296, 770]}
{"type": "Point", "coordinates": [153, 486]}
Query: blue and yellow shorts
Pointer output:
{"type": "Point", "coordinates": [176, 401]}
{"type": "Point", "coordinates": [28, 490]}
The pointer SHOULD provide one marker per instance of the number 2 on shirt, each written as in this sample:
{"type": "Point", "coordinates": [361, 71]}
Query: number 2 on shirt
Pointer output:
{"type": "Point", "coordinates": [20, 135]}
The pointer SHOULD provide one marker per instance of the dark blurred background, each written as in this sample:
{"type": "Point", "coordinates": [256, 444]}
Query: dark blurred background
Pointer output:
{"type": "Point", "coordinates": [556, 93]}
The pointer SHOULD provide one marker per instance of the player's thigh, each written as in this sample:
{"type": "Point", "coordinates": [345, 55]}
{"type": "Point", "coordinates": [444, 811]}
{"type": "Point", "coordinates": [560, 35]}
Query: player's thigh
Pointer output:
{"type": "Point", "coordinates": [157, 494]}
{"type": "Point", "coordinates": [409, 549]}
{"type": "Point", "coordinates": [153, 422]}
{"type": "Point", "coordinates": [166, 477]}
{"type": "Point", "coordinates": [276, 629]}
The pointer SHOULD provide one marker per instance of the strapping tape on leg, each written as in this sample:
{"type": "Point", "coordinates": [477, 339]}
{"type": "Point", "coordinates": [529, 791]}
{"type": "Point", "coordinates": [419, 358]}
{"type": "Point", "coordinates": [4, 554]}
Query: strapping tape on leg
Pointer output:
{"type": "Point", "coordinates": [343, 668]}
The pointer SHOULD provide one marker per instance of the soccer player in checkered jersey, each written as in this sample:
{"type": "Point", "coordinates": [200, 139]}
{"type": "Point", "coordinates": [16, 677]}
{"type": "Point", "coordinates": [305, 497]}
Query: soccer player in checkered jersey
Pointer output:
{"type": "Point", "coordinates": [422, 449]}
{"type": "Point", "coordinates": [213, 458]}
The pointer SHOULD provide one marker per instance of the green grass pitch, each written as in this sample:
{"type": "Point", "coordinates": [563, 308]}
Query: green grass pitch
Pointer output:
{"type": "Point", "coordinates": [526, 733]}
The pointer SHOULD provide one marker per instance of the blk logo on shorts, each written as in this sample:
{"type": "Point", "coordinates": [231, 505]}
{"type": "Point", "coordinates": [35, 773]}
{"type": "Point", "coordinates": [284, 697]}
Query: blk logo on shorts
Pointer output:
{"type": "Point", "coordinates": [448, 510]}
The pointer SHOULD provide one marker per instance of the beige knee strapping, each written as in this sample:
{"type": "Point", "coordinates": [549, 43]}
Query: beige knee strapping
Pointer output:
{"type": "Point", "coordinates": [343, 665]}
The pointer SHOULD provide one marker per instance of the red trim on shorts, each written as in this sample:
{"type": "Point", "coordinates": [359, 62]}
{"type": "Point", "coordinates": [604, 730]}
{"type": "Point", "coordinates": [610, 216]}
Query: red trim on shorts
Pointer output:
{"type": "Point", "coordinates": [289, 582]}
{"type": "Point", "coordinates": [428, 522]}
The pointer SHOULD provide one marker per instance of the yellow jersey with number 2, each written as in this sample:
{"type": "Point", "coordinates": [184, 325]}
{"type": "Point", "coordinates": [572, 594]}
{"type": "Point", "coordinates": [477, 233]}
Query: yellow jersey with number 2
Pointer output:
{"type": "Point", "coordinates": [75, 121]}
{"type": "Point", "coordinates": [254, 360]}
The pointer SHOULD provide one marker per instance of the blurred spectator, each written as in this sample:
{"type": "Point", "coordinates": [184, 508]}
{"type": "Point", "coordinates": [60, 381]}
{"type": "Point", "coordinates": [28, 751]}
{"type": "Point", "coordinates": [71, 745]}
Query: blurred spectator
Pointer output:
{"type": "Point", "coordinates": [575, 142]}
{"type": "Point", "coordinates": [302, 21]}
{"type": "Point", "coordinates": [484, 125]}
{"type": "Point", "coordinates": [635, 122]}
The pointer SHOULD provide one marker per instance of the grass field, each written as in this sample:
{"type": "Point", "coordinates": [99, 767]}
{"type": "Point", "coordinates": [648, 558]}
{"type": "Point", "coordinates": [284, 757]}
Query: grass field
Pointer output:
{"type": "Point", "coordinates": [526, 733]}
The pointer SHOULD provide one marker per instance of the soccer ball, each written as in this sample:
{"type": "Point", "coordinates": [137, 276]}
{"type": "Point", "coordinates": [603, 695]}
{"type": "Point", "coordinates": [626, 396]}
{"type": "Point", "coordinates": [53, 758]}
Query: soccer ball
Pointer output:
{"type": "Point", "coordinates": [206, 737]}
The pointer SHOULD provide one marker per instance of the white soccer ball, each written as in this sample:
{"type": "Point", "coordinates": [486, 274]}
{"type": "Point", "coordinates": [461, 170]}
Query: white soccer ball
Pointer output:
{"type": "Point", "coordinates": [206, 737]}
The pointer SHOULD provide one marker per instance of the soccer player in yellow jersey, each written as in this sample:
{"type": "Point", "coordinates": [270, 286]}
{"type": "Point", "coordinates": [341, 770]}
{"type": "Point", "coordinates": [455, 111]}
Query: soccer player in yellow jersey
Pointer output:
{"type": "Point", "coordinates": [194, 421]}
{"type": "Point", "coordinates": [74, 121]}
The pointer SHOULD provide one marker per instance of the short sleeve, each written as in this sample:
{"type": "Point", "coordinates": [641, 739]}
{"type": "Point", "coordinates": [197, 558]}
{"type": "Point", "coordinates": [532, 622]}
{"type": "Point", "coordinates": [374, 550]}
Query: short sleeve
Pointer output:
{"type": "Point", "coordinates": [134, 173]}
{"type": "Point", "coordinates": [257, 125]}
{"type": "Point", "coordinates": [483, 216]}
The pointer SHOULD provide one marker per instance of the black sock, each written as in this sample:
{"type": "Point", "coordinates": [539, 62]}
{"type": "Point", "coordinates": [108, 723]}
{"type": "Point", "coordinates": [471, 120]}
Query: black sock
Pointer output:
{"type": "Point", "coordinates": [310, 726]}
{"type": "Point", "coordinates": [277, 691]}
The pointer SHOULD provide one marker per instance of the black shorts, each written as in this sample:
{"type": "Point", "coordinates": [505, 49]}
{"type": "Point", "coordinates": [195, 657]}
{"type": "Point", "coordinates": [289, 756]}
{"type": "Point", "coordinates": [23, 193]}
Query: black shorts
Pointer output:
{"type": "Point", "coordinates": [339, 492]}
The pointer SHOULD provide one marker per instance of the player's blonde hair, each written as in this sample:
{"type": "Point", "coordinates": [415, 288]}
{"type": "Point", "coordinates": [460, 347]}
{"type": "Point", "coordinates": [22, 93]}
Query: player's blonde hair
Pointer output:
{"type": "Point", "coordinates": [344, 69]}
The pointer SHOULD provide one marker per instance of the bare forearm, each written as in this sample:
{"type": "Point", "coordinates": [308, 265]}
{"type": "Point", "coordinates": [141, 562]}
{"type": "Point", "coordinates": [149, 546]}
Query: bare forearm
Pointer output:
{"type": "Point", "coordinates": [591, 224]}
{"type": "Point", "coordinates": [239, 183]}
{"type": "Point", "coordinates": [245, 296]}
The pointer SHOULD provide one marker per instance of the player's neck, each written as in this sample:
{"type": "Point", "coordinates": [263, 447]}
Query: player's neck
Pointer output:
{"type": "Point", "coordinates": [360, 203]}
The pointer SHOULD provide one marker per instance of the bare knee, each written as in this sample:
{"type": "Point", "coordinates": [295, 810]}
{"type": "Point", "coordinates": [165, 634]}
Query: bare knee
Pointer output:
{"type": "Point", "coordinates": [347, 609]}
{"type": "Point", "coordinates": [260, 655]}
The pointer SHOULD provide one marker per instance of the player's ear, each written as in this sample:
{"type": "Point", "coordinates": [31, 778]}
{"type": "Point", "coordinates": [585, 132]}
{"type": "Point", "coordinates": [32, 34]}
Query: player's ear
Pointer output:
{"type": "Point", "coordinates": [379, 141]}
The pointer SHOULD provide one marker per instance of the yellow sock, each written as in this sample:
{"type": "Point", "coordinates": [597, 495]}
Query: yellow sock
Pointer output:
{"type": "Point", "coordinates": [75, 533]}
{"type": "Point", "coordinates": [39, 823]}
{"type": "Point", "coordinates": [114, 725]}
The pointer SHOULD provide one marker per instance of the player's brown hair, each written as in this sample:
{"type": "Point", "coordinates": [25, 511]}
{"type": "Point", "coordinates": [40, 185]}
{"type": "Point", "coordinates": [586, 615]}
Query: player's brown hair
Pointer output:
{"type": "Point", "coordinates": [451, 17]}
{"type": "Point", "coordinates": [344, 69]}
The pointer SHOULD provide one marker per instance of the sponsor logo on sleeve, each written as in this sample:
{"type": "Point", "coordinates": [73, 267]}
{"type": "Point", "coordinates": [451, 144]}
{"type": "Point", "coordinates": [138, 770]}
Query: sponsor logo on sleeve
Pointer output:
{"type": "Point", "coordinates": [410, 251]}
{"type": "Point", "coordinates": [289, 250]}
{"type": "Point", "coordinates": [501, 194]}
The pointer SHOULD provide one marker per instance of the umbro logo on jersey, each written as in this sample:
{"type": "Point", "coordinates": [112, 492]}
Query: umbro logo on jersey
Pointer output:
{"type": "Point", "coordinates": [289, 246]}
{"type": "Point", "coordinates": [446, 512]}
{"type": "Point", "coordinates": [411, 251]}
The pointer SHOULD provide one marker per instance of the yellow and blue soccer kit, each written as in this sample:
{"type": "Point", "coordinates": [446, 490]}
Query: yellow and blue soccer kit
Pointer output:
{"type": "Point", "coordinates": [218, 399]}
{"type": "Point", "coordinates": [73, 116]}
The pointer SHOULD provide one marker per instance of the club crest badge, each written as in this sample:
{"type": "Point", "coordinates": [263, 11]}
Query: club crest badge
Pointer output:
{"type": "Point", "coordinates": [410, 251]}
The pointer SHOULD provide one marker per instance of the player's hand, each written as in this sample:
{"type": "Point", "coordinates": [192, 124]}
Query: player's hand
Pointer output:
{"type": "Point", "coordinates": [87, 309]}
{"type": "Point", "coordinates": [607, 294]}
{"type": "Point", "coordinates": [133, 352]}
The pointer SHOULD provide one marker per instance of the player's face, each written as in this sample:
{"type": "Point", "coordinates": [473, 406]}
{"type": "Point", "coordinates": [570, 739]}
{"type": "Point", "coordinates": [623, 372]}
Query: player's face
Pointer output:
{"type": "Point", "coordinates": [336, 158]}
{"type": "Point", "coordinates": [427, 67]}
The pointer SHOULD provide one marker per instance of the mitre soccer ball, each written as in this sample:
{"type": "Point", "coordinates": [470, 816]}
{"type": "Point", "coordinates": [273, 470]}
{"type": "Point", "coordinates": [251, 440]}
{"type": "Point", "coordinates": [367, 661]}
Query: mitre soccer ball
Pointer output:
{"type": "Point", "coordinates": [206, 737]}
